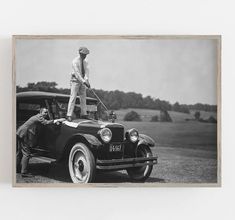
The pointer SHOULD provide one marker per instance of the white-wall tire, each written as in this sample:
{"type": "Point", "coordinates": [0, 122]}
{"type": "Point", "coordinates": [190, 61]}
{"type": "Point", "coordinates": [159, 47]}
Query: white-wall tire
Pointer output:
{"type": "Point", "coordinates": [81, 164]}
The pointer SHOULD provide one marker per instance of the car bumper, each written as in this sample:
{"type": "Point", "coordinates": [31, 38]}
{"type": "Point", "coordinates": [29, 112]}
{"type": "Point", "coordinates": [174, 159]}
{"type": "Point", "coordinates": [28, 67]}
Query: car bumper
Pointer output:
{"type": "Point", "coordinates": [119, 164]}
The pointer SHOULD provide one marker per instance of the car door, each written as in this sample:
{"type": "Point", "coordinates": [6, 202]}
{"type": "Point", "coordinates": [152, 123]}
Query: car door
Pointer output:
{"type": "Point", "coordinates": [48, 134]}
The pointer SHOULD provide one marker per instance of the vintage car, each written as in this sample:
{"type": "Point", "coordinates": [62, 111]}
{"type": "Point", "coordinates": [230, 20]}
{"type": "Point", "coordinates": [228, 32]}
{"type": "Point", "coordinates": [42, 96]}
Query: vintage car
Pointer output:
{"type": "Point", "coordinates": [85, 146]}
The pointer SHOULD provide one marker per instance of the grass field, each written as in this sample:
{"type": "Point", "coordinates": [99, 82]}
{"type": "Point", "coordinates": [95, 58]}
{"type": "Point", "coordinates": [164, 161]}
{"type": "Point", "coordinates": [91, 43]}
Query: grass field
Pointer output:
{"type": "Point", "coordinates": [187, 152]}
{"type": "Point", "coordinates": [190, 135]}
{"type": "Point", "coordinates": [147, 114]}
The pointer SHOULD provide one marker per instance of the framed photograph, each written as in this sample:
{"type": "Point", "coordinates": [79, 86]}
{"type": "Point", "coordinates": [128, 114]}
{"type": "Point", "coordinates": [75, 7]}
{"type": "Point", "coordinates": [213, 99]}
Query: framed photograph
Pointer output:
{"type": "Point", "coordinates": [100, 110]}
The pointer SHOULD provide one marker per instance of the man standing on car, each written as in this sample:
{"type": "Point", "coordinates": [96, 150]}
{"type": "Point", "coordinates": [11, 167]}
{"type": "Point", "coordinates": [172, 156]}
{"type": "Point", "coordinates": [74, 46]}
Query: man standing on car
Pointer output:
{"type": "Point", "coordinates": [27, 135]}
{"type": "Point", "coordinates": [79, 83]}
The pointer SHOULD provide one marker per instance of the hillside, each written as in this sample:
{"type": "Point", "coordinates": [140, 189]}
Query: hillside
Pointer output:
{"type": "Point", "coordinates": [147, 114]}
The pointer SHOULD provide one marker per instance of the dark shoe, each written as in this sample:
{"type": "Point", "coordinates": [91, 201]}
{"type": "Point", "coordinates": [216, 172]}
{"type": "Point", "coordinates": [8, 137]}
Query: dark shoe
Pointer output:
{"type": "Point", "coordinates": [18, 170]}
{"type": "Point", "coordinates": [27, 175]}
{"type": "Point", "coordinates": [69, 118]}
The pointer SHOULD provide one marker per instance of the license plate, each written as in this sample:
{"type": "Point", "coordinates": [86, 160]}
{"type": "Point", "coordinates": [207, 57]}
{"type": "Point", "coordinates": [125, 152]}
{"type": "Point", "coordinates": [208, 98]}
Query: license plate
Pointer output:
{"type": "Point", "coordinates": [115, 148]}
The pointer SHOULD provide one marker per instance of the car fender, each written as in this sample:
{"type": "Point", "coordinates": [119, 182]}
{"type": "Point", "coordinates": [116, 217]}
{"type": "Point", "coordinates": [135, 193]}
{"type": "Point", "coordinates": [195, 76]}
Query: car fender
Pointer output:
{"type": "Point", "coordinates": [91, 141]}
{"type": "Point", "coordinates": [145, 140]}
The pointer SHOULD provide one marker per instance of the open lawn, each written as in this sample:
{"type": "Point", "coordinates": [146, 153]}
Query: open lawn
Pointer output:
{"type": "Point", "coordinates": [190, 135]}
{"type": "Point", "coordinates": [187, 151]}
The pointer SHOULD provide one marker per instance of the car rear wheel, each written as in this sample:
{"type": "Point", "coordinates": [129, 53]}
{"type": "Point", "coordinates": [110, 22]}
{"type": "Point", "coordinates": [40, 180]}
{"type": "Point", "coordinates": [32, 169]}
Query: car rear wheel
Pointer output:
{"type": "Point", "coordinates": [141, 173]}
{"type": "Point", "coordinates": [81, 164]}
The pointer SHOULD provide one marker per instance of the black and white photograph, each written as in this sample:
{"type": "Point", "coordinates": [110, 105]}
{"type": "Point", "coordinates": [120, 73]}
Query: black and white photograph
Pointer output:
{"type": "Point", "coordinates": [134, 110]}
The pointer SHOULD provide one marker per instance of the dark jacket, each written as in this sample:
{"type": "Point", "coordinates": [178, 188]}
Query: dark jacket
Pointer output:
{"type": "Point", "coordinates": [29, 130]}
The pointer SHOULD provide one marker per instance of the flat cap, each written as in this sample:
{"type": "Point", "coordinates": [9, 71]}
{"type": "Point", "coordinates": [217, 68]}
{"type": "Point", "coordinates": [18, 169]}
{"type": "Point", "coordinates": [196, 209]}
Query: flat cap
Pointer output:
{"type": "Point", "coordinates": [83, 50]}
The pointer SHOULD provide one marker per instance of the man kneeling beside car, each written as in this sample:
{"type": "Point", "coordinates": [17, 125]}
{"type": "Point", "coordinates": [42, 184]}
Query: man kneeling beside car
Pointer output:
{"type": "Point", "coordinates": [27, 139]}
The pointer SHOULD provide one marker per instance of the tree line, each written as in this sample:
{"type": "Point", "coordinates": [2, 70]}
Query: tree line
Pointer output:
{"type": "Point", "coordinates": [121, 100]}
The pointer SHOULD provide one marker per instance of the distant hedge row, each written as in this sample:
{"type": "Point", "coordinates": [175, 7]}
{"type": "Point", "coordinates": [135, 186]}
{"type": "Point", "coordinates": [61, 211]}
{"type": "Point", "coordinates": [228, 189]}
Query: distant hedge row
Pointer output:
{"type": "Point", "coordinates": [121, 100]}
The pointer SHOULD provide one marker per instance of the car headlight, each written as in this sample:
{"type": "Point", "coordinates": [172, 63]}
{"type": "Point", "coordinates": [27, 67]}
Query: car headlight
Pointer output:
{"type": "Point", "coordinates": [132, 135]}
{"type": "Point", "coordinates": [105, 134]}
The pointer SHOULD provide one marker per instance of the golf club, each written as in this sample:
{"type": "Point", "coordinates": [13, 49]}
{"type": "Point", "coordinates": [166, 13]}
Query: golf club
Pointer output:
{"type": "Point", "coordinates": [99, 99]}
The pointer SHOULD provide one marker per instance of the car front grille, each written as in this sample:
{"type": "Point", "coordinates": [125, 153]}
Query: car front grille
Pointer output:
{"type": "Point", "coordinates": [117, 134]}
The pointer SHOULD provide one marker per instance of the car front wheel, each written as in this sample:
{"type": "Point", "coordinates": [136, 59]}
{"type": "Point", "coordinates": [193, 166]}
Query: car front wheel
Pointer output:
{"type": "Point", "coordinates": [141, 173]}
{"type": "Point", "coordinates": [81, 164]}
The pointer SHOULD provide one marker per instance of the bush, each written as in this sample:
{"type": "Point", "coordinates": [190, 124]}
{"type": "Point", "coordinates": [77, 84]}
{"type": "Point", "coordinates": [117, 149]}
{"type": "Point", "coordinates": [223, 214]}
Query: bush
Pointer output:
{"type": "Point", "coordinates": [197, 115]}
{"type": "Point", "coordinates": [164, 116]}
{"type": "Point", "coordinates": [155, 118]}
{"type": "Point", "coordinates": [211, 119]}
{"type": "Point", "coordinates": [132, 116]}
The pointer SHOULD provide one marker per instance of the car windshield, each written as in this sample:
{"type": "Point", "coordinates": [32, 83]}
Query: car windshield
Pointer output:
{"type": "Point", "coordinates": [59, 109]}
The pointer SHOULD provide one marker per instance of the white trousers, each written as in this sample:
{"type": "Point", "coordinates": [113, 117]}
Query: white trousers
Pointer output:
{"type": "Point", "coordinates": [77, 89]}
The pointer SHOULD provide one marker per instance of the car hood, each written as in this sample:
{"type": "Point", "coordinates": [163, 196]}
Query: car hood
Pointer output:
{"type": "Point", "coordinates": [91, 123]}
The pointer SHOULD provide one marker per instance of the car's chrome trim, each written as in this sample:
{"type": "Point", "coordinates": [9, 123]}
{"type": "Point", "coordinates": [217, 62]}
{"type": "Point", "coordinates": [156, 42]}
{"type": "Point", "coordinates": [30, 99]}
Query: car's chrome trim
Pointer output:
{"type": "Point", "coordinates": [125, 163]}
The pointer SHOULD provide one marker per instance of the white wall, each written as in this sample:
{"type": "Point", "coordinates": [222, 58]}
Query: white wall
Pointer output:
{"type": "Point", "coordinates": [117, 17]}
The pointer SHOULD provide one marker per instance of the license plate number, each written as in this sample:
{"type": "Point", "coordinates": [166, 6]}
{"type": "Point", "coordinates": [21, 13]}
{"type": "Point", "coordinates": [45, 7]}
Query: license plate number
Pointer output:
{"type": "Point", "coordinates": [115, 148]}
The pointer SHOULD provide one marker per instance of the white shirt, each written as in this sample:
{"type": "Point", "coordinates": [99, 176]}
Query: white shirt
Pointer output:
{"type": "Point", "coordinates": [76, 75]}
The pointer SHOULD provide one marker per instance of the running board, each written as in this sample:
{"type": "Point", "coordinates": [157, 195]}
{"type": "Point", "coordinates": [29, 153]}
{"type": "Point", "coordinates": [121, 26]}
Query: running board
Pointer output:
{"type": "Point", "coordinates": [45, 159]}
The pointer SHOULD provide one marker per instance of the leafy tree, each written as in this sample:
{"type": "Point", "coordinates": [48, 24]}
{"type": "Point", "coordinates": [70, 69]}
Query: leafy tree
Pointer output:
{"type": "Point", "coordinates": [176, 107]}
{"type": "Point", "coordinates": [197, 115]}
{"type": "Point", "coordinates": [164, 116]}
{"type": "Point", "coordinates": [132, 116]}
{"type": "Point", "coordinates": [184, 109]}
{"type": "Point", "coordinates": [180, 108]}
{"type": "Point", "coordinates": [118, 99]}
{"type": "Point", "coordinates": [148, 102]}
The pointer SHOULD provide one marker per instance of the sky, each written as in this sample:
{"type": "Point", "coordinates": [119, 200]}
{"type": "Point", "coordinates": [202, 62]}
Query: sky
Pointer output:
{"type": "Point", "coordinates": [175, 70]}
